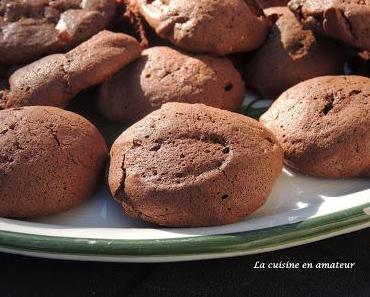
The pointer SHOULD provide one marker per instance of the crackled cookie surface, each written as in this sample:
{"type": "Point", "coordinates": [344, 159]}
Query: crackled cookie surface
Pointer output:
{"type": "Point", "coordinates": [290, 55]}
{"type": "Point", "coordinates": [50, 160]}
{"type": "Point", "coordinates": [344, 20]}
{"type": "Point", "coordinates": [55, 79]}
{"type": "Point", "coordinates": [213, 26]}
{"type": "Point", "coordinates": [33, 28]}
{"type": "Point", "coordinates": [323, 125]}
{"type": "Point", "coordinates": [189, 165]}
{"type": "Point", "coordinates": [163, 75]}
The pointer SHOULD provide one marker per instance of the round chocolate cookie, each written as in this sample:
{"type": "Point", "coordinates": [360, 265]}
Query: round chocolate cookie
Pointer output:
{"type": "Point", "coordinates": [344, 20]}
{"type": "Point", "coordinates": [163, 75]}
{"type": "Point", "coordinates": [50, 160]}
{"type": "Point", "coordinates": [323, 125]}
{"type": "Point", "coordinates": [55, 79]}
{"type": "Point", "coordinates": [31, 29]}
{"type": "Point", "coordinates": [291, 55]}
{"type": "Point", "coordinates": [214, 26]}
{"type": "Point", "coordinates": [188, 165]}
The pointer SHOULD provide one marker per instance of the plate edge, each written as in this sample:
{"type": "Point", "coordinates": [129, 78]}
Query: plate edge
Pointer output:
{"type": "Point", "coordinates": [218, 243]}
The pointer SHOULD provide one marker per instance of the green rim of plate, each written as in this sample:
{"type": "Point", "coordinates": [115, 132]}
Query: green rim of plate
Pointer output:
{"type": "Point", "coordinates": [241, 242]}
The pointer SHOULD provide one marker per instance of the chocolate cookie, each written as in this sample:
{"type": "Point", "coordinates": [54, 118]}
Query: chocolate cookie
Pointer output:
{"type": "Point", "coordinates": [163, 75]}
{"type": "Point", "coordinates": [55, 79]}
{"type": "Point", "coordinates": [214, 26]}
{"type": "Point", "coordinates": [31, 29]}
{"type": "Point", "coordinates": [344, 20]}
{"type": "Point", "coordinates": [50, 160]}
{"type": "Point", "coordinates": [323, 125]}
{"type": "Point", "coordinates": [291, 55]}
{"type": "Point", "coordinates": [188, 165]}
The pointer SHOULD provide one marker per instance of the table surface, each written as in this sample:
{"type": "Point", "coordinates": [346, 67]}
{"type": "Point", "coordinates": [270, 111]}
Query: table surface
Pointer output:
{"type": "Point", "coordinates": [25, 276]}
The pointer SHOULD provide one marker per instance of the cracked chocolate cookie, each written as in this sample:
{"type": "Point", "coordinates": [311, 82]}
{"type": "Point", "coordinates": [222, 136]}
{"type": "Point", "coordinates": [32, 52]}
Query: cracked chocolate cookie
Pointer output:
{"type": "Point", "coordinates": [163, 75]}
{"type": "Point", "coordinates": [34, 28]}
{"type": "Point", "coordinates": [290, 55]}
{"type": "Point", "coordinates": [189, 165]}
{"type": "Point", "coordinates": [344, 20]}
{"type": "Point", "coordinates": [220, 27]}
{"type": "Point", "coordinates": [55, 79]}
{"type": "Point", "coordinates": [323, 125]}
{"type": "Point", "coordinates": [50, 160]}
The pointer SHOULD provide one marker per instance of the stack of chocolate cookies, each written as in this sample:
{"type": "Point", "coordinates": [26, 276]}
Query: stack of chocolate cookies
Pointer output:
{"type": "Point", "coordinates": [189, 157]}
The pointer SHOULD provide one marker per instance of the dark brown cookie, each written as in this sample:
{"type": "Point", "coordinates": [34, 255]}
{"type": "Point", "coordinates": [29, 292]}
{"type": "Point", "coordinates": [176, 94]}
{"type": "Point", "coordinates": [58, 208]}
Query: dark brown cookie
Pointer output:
{"type": "Point", "coordinates": [344, 20]}
{"type": "Point", "coordinates": [55, 79]}
{"type": "Point", "coordinates": [188, 165]}
{"type": "Point", "coordinates": [291, 55]}
{"type": "Point", "coordinates": [220, 27]}
{"type": "Point", "coordinates": [50, 160]}
{"type": "Point", "coordinates": [163, 75]}
{"type": "Point", "coordinates": [323, 125]}
{"type": "Point", "coordinates": [31, 29]}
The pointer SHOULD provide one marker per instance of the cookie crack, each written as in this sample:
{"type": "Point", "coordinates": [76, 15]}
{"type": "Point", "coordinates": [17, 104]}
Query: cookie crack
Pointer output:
{"type": "Point", "coordinates": [168, 27]}
{"type": "Point", "coordinates": [120, 192]}
{"type": "Point", "coordinates": [66, 76]}
{"type": "Point", "coordinates": [59, 143]}
{"type": "Point", "coordinates": [3, 132]}
{"type": "Point", "coordinates": [329, 104]}
{"type": "Point", "coordinates": [53, 133]}
{"type": "Point", "coordinates": [186, 173]}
